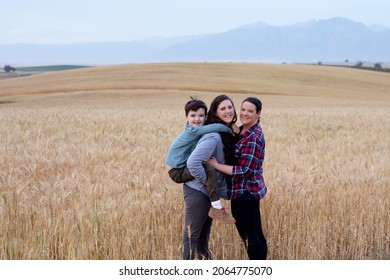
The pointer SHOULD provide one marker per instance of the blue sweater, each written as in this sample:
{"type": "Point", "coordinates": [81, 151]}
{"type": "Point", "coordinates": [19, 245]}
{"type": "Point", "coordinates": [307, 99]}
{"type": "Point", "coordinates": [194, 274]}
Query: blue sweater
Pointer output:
{"type": "Point", "coordinates": [185, 143]}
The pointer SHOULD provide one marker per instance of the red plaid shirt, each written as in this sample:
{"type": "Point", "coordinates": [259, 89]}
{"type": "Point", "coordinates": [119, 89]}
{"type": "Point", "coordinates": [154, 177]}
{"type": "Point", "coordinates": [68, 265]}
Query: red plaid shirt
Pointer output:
{"type": "Point", "coordinates": [249, 156]}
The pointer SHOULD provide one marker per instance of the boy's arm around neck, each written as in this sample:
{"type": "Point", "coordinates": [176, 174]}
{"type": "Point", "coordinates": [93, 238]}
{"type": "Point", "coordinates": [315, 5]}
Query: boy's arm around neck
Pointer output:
{"type": "Point", "coordinates": [204, 129]}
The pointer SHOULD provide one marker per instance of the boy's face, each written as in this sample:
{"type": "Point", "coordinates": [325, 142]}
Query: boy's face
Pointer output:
{"type": "Point", "coordinates": [196, 118]}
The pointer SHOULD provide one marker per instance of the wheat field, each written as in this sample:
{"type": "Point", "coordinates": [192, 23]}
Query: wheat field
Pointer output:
{"type": "Point", "coordinates": [82, 173]}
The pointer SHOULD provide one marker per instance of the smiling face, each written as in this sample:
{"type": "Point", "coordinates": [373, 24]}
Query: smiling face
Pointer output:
{"type": "Point", "coordinates": [248, 114]}
{"type": "Point", "coordinates": [196, 118]}
{"type": "Point", "coordinates": [225, 111]}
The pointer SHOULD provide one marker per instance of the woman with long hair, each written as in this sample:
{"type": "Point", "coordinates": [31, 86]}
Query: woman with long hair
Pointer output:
{"type": "Point", "coordinates": [248, 186]}
{"type": "Point", "coordinates": [197, 223]}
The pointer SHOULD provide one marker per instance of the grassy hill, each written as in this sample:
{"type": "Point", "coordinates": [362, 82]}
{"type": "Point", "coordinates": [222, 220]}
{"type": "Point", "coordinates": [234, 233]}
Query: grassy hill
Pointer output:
{"type": "Point", "coordinates": [243, 78]}
{"type": "Point", "coordinates": [49, 68]}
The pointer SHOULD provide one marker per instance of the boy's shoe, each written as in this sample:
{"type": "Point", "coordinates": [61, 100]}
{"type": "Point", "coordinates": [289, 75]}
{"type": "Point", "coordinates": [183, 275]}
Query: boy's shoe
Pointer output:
{"type": "Point", "coordinates": [221, 215]}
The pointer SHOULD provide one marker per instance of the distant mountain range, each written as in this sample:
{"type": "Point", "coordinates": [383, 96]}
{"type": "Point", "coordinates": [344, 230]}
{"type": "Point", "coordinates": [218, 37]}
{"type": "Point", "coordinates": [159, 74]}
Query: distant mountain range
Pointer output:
{"type": "Point", "coordinates": [336, 39]}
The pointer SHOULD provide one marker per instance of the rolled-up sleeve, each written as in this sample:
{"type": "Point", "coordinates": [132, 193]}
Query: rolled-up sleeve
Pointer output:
{"type": "Point", "coordinates": [202, 152]}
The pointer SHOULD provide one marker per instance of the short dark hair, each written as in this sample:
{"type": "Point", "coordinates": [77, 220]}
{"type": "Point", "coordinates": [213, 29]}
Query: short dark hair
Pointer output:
{"type": "Point", "coordinates": [194, 105]}
{"type": "Point", "coordinates": [255, 101]}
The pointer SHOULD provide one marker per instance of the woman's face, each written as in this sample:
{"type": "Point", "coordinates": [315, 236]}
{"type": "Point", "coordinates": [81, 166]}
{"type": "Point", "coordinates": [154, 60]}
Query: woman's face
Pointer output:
{"type": "Point", "coordinates": [248, 114]}
{"type": "Point", "coordinates": [225, 111]}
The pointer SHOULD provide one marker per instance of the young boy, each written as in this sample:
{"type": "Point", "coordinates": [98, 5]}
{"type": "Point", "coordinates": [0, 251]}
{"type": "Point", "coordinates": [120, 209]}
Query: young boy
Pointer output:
{"type": "Point", "coordinates": [184, 144]}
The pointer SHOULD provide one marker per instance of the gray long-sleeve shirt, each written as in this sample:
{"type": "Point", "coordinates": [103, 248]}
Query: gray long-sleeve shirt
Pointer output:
{"type": "Point", "coordinates": [209, 145]}
{"type": "Point", "coordinates": [184, 144]}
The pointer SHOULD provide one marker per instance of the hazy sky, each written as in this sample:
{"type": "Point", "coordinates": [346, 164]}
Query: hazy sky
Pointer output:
{"type": "Point", "coordinates": [69, 21]}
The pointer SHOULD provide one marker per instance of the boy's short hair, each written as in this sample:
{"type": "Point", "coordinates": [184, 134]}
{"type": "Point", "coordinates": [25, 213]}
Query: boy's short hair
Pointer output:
{"type": "Point", "coordinates": [195, 104]}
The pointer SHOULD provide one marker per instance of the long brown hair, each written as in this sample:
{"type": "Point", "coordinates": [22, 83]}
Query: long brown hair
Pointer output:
{"type": "Point", "coordinates": [212, 114]}
{"type": "Point", "coordinates": [228, 139]}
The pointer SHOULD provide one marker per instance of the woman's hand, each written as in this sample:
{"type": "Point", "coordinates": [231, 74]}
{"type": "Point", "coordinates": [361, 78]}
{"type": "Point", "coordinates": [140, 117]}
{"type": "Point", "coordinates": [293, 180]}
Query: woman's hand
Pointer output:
{"type": "Point", "coordinates": [227, 169]}
{"type": "Point", "coordinates": [213, 162]}
{"type": "Point", "coordinates": [236, 129]}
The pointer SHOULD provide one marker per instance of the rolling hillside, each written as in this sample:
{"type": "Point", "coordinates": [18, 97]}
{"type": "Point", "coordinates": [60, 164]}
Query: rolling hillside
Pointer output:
{"type": "Point", "coordinates": [263, 79]}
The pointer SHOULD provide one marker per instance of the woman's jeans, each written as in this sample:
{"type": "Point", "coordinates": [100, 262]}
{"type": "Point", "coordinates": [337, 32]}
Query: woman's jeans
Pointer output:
{"type": "Point", "coordinates": [246, 211]}
{"type": "Point", "coordinates": [197, 224]}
